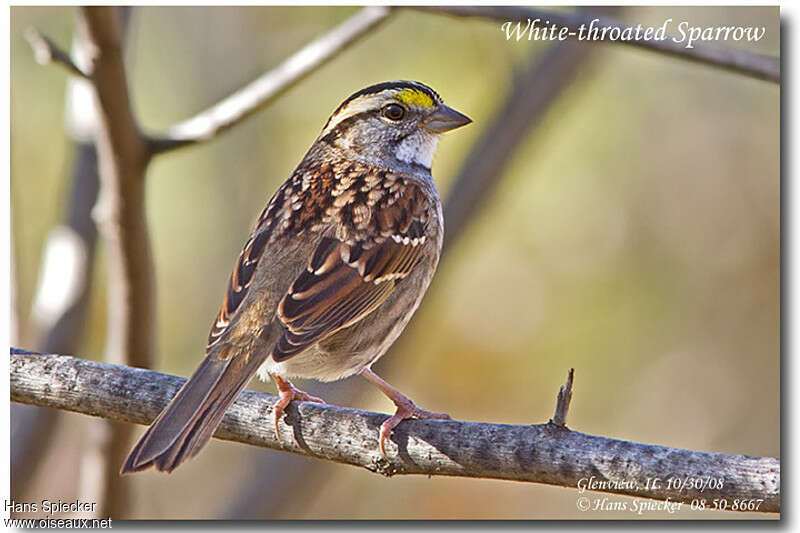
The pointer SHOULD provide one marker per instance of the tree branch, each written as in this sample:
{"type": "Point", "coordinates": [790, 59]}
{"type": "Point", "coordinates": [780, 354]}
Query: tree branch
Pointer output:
{"type": "Point", "coordinates": [748, 63]}
{"type": "Point", "coordinates": [228, 112]}
{"type": "Point", "coordinates": [563, 400]}
{"type": "Point", "coordinates": [46, 51]}
{"type": "Point", "coordinates": [119, 213]}
{"type": "Point", "coordinates": [544, 453]}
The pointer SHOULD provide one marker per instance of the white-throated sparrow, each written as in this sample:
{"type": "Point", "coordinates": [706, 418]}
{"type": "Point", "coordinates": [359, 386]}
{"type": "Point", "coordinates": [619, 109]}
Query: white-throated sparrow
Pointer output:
{"type": "Point", "coordinates": [337, 263]}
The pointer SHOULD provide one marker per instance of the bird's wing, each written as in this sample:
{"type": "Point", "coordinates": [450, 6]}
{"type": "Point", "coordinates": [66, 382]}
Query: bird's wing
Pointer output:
{"type": "Point", "coordinates": [342, 284]}
{"type": "Point", "coordinates": [239, 282]}
{"type": "Point", "coordinates": [268, 225]}
{"type": "Point", "coordinates": [377, 244]}
{"type": "Point", "coordinates": [379, 221]}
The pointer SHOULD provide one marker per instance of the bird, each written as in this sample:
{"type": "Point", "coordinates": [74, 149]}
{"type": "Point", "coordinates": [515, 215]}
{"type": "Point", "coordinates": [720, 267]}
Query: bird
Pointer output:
{"type": "Point", "coordinates": [333, 270]}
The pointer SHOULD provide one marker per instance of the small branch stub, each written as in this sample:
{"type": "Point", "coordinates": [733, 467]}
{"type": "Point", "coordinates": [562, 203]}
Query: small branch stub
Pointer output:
{"type": "Point", "coordinates": [46, 51]}
{"type": "Point", "coordinates": [563, 400]}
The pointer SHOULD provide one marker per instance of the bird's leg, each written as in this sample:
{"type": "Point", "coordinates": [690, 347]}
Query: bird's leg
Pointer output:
{"type": "Point", "coordinates": [286, 393]}
{"type": "Point", "coordinates": [405, 407]}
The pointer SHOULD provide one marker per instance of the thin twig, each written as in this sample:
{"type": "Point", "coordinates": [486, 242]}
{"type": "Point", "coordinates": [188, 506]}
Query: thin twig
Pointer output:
{"type": "Point", "coordinates": [46, 51]}
{"type": "Point", "coordinates": [541, 453]}
{"type": "Point", "coordinates": [758, 66]}
{"type": "Point", "coordinates": [563, 400]}
{"type": "Point", "coordinates": [227, 113]}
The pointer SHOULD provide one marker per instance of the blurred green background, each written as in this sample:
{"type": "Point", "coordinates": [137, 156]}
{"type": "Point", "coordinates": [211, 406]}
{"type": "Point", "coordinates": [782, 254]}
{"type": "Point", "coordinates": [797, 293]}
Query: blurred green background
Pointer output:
{"type": "Point", "coordinates": [634, 237]}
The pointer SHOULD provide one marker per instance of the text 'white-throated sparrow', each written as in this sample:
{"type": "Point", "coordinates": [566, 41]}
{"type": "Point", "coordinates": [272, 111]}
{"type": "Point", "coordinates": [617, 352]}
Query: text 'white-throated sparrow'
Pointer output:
{"type": "Point", "coordinates": [338, 262]}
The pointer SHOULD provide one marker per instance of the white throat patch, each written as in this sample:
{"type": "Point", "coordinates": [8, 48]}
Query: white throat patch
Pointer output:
{"type": "Point", "coordinates": [418, 148]}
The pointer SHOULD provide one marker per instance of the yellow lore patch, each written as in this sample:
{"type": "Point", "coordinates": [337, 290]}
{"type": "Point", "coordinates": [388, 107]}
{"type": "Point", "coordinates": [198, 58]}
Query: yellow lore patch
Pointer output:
{"type": "Point", "coordinates": [415, 97]}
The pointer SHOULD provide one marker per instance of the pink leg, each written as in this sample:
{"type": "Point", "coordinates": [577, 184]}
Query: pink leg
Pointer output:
{"type": "Point", "coordinates": [405, 407]}
{"type": "Point", "coordinates": [286, 393]}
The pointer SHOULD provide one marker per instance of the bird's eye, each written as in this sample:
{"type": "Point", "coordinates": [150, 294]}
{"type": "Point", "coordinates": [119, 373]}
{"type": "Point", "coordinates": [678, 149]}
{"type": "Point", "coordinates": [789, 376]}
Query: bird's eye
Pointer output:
{"type": "Point", "coordinates": [394, 112]}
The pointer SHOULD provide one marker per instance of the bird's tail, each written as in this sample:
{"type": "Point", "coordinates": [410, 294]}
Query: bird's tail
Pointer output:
{"type": "Point", "coordinates": [187, 423]}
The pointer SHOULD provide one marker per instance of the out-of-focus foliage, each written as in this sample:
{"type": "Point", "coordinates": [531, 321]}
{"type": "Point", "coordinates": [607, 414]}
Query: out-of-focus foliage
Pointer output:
{"type": "Point", "coordinates": [635, 237]}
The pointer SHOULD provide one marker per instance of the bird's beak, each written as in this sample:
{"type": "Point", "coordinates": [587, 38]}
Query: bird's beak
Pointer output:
{"type": "Point", "coordinates": [445, 119]}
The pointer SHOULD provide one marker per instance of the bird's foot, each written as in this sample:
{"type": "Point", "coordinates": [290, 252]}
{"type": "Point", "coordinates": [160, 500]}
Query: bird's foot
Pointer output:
{"type": "Point", "coordinates": [286, 393]}
{"type": "Point", "coordinates": [405, 409]}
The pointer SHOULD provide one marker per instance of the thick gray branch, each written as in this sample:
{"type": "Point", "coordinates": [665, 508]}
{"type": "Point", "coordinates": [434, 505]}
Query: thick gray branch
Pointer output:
{"type": "Point", "coordinates": [228, 112]}
{"type": "Point", "coordinates": [543, 453]}
{"type": "Point", "coordinates": [748, 63]}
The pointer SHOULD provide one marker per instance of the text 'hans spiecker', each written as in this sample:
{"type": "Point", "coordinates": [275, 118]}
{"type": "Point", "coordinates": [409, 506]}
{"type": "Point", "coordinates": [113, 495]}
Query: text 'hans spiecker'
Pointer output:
{"type": "Point", "coordinates": [50, 507]}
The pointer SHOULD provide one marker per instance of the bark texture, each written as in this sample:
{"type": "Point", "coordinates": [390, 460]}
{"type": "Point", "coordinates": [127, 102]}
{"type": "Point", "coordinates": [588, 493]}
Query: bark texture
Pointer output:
{"type": "Point", "coordinates": [542, 453]}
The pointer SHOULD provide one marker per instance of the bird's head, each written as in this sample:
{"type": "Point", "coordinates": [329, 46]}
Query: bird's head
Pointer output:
{"type": "Point", "coordinates": [392, 121]}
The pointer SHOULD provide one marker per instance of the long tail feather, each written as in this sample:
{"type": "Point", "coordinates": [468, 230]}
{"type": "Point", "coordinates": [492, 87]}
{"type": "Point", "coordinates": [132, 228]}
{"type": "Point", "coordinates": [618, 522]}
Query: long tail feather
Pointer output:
{"type": "Point", "coordinates": [190, 419]}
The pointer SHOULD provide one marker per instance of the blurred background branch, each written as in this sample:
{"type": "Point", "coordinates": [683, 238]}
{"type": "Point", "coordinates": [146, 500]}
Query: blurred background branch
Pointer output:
{"type": "Point", "coordinates": [119, 213]}
{"type": "Point", "coordinates": [748, 63]}
{"type": "Point", "coordinates": [249, 99]}
{"type": "Point", "coordinates": [59, 312]}
{"type": "Point", "coordinates": [46, 51]}
{"type": "Point", "coordinates": [545, 453]}
{"type": "Point", "coordinates": [61, 302]}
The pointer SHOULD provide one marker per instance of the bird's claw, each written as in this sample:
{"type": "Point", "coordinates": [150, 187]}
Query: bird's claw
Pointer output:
{"type": "Point", "coordinates": [286, 393]}
{"type": "Point", "coordinates": [405, 409]}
